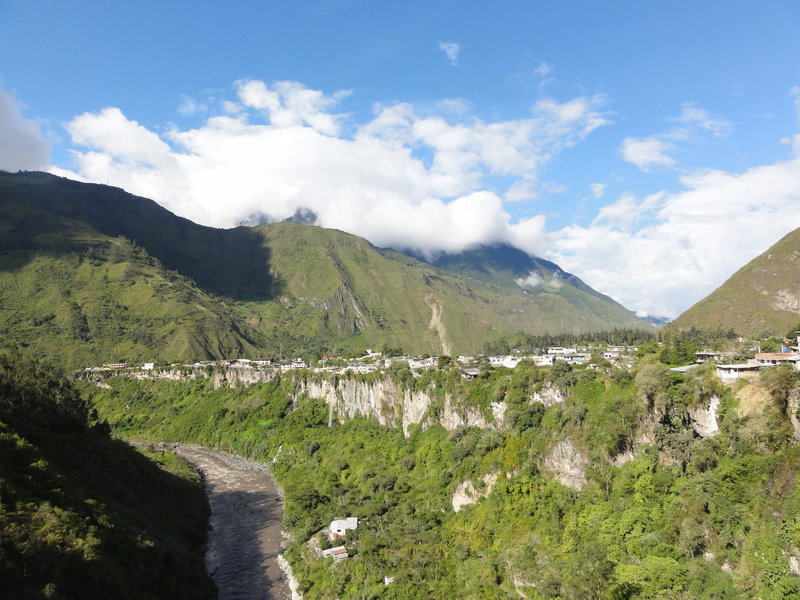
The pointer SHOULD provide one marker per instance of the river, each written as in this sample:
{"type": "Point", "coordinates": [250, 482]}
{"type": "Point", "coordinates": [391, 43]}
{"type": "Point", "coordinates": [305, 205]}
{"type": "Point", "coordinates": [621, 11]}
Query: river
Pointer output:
{"type": "Point", "coordinates": [245, 530]}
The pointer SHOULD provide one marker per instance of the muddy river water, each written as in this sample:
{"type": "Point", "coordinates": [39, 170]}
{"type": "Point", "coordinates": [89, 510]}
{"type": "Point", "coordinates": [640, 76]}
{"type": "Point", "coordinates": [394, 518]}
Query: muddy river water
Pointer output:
{"type": "Point", "coordinates": [245, 535]}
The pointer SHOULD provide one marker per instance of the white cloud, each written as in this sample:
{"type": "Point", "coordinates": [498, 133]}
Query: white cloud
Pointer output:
{"type": "Point", "coordinates": [451, 50]}
{"type": "Point", "coordinates": [692, 114]}
{"type": "Point", "coordinates": [289, 103]}
{"type": "Point", "coordinates": [532, 280]}
{"type": "Point", "coordinates": [400, 179]}
{"type": "Point", "coordinates": [189, 106]}
{"type": "Point", "coordinates": [597, 189]}
{"type": "Point", "coordinates": [647, 153]}
{"type": "Point", "coordinates": [22, 146]}
{"type": "Point", "coordinates": [654, 151]}
{"type": "Point", "coordinates": [660, 254]}
{"type": "Point", "coordinates": [110, 132]}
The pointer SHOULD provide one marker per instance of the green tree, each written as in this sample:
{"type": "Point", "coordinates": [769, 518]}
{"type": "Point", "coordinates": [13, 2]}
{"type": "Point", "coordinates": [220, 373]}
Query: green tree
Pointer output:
{"type": "Point", "coordinates": [781, 382]}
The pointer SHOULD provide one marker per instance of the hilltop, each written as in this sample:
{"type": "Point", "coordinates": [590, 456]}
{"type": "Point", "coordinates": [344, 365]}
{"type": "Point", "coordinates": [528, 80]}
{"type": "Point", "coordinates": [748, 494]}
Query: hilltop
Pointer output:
{"type": "Point", "coordinates": [761, 298]}
{"type": "Point", "coordinates": [90, 274]}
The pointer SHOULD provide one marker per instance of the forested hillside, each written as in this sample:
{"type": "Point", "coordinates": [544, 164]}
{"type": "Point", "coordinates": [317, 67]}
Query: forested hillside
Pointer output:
{"type": "Point", "coordinates": [675, 491]}
{"type": "Point", "coordinates": [82, 515]}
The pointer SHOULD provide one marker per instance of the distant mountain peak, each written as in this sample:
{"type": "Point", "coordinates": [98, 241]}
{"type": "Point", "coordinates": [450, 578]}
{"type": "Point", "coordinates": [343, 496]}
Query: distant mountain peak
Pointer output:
{"type": "Point", "coordinates": [303, 216]}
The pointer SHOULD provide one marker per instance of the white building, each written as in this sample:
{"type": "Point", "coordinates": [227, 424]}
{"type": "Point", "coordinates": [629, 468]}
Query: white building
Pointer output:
{"type": "Point", "coordinates": [339, 527]}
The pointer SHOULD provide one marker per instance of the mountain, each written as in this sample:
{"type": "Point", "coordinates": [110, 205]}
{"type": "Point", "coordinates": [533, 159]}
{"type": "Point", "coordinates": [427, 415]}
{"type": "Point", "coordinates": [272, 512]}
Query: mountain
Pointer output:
{"type": "Point", "coordinates": [90, 274]}
{"type": "Point", "coordinates": [761, 298]}
{"type": "Point", "coordinates": [512, 268]}
{"type": "Point", "coordinates": [84, 515]}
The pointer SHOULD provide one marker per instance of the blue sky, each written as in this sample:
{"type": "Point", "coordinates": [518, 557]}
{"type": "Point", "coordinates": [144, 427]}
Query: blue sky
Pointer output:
{"type": "Point", "coordinates": [648, 147]}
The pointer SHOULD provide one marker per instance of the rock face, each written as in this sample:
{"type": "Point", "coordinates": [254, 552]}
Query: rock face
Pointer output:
{"type": "Point", "coordinates": [390, 405]}
{"type": "Point", "coordinates": [232, 376]}
{"type": "Point", "coordinates": [549, 395]}
{"type": "Point", "coordinates": [567, 463]}
{"type": "Point", "coordinates": [466, 493]}
{"type": "Point", "coordinates": [704, 419]}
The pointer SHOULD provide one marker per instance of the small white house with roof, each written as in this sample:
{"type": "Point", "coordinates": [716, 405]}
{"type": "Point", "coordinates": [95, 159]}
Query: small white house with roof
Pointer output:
{"type": "Point", "coordinates": [339, 527]}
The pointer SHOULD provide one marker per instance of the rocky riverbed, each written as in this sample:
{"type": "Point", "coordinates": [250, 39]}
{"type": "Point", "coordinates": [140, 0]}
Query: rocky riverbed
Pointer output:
{"type": "Point", "coordinates": [245, 530]}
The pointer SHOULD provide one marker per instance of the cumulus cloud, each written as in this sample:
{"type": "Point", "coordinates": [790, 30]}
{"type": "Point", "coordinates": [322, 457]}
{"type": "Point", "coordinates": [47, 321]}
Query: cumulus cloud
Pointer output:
{"type": "Point", "coordinates": [401, 179]}
{"type": "Point", "coordinates": [22, 146]}
{"type": "Point", "coordinates": [451, 51]}
{"type": "Point", "coordinates": [661, 253]}
{"type": "Point", "coordinates": [647, 153]}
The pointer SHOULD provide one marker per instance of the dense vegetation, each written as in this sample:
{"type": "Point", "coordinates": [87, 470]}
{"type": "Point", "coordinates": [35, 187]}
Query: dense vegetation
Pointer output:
{"type": "Point", "coordinates": [680, 516]}
{"type": "Point", "coordinates": [84, 516]}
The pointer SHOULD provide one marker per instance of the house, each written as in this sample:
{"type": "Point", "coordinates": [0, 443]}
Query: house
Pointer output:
{"type": "Point", "coordinates": [297, 363]}
{"type": "Point", "coordinates": [148, 366]}
{"type": "Point", "coordinates": [339, 553]}
{"type": "Point", "coordinates": [470, 373]}
{"type": "Point", "coordinates": [115, 366]}
{"type": "Point", "coordinates": [777, 358]}
{"type": "Point", "coordinates": [575, 359]}
{"type": "Point", "coordinates": [730, 373]}
{"type": "Point", "coordinates": [556, 351]}
{"type": "Point", "coordinates": [504, 361]}
{"type": "Point", "coordinates": [339, 527]}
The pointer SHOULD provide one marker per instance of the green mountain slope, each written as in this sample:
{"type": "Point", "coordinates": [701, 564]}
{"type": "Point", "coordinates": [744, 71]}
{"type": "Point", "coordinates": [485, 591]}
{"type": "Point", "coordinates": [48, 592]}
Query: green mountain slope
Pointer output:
{"type": "Point", "coordinates": [511, 267]}
{"type": "Point", "coordinates": [763, 297]}
{"type": "Point", "coordinates": [83, 515]}
{"type": "Point", "coordinates": [336, 285]}
{"type": "Point", "coordinates": [91, 274]}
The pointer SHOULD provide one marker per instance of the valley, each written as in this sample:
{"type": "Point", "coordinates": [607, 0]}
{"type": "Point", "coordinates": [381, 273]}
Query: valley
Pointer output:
{"type": "Point", "coordinates": [489, 425]}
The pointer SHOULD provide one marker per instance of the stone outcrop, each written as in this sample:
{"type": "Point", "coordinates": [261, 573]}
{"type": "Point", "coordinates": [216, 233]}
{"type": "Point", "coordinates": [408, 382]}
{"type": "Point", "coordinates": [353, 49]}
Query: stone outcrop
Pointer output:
{"type": "Point", "coordinates": [233, 376]}
{"type": "Point", "coordinates": [704, 418]}
{"type": "Point", "coordinates": [466, 493]}
{"type": "Point", "coordinates": [391, 405]}
{"type": "Point", "coordinates": [567, 464]}
{"type": "Point", "coordinates": [549, 395]}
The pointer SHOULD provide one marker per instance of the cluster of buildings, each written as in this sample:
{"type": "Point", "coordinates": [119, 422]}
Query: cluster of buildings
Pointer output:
{"type": "Point", "coordinates": [750, 369]}
{"type": "Point", "coordinates": [375, 361]}
{"type": "Point", "coordinates": [338, 529]}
